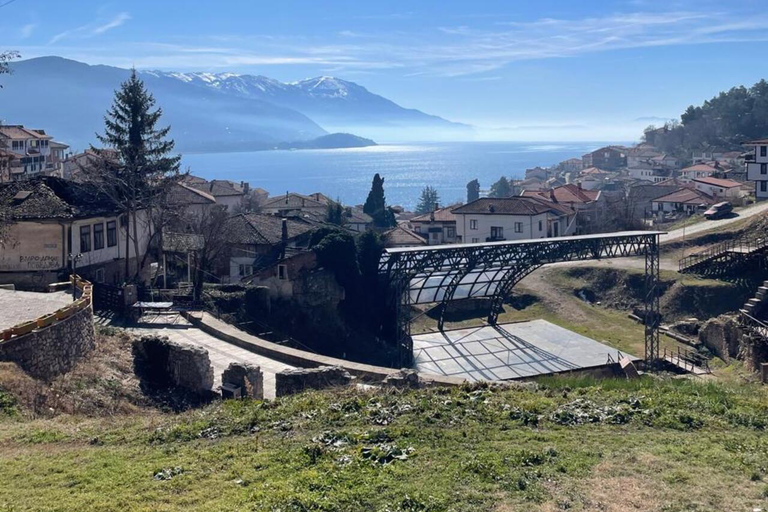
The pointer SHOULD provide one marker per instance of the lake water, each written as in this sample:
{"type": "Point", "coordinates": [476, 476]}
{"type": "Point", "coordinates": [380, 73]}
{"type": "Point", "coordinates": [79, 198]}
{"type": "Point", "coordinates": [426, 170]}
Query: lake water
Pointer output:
{"type": "Point", "coordinates": [347, 173]}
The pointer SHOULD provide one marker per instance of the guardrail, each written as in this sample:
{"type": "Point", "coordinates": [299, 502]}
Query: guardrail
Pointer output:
{"type": "Point", "coordinates": [753, 326]}
{"type": "Point", "coordinates": [742, 245]}
{"type": "Point", "coordinates": [84, 301]}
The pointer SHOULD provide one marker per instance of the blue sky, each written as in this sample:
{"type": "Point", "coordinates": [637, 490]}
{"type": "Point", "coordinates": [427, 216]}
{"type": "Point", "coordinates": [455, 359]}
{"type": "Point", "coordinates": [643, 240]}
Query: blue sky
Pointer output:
{"type": "Point", "coordinates": [543, 70]}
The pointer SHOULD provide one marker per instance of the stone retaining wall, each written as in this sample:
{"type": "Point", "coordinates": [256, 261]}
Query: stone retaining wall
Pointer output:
{"type": "Point", "coordinates": [163, 363]}
{"type": "Point", "coordinates": [50, 351]}
{"type": "Point", "coordinates": [288, 382]}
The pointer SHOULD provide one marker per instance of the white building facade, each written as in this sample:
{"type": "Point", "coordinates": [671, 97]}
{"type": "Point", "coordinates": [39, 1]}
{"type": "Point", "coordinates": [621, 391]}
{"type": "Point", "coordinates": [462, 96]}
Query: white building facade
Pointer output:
{"type": "Point", "coordinates": [757, 168]}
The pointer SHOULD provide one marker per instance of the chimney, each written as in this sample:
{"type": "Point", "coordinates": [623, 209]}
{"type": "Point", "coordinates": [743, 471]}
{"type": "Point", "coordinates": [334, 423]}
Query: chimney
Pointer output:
{"type": "Point", "coordinates": [246, 187]}
{"type": "Point", "coordinates": [283, 238]}
{"type": "Point", "coordinates": [286, 197]}
{"type": "Point", "coordinates": [552, 195]}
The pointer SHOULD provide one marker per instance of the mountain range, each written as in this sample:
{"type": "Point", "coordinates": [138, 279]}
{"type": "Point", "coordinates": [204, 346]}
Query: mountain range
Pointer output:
{"type": "Point", "coordinates": [207, 111]}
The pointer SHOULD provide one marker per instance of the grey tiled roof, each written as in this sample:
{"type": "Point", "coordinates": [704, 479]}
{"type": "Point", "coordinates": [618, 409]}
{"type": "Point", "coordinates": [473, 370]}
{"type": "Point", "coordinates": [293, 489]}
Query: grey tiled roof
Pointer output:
{"type": "Point", "coordinates": [54, 198]}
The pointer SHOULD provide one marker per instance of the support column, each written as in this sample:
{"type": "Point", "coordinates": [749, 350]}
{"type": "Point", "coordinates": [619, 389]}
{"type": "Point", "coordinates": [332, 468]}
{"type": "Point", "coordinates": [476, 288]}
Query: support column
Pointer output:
{"type": "Point", "coordinates": [652, 315]}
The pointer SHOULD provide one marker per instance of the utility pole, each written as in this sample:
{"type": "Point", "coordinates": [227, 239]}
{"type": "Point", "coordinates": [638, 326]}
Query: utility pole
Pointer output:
{"type": "Point", "coordinates": [73, 259]}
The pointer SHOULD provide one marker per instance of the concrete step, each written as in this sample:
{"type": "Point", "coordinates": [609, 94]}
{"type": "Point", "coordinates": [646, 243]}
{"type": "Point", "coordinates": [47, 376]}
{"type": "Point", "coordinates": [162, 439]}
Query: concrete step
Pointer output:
{"type": "Point", "coordinates": [749, 308]}
{"type": "Point", "coordinates": [754, 301]}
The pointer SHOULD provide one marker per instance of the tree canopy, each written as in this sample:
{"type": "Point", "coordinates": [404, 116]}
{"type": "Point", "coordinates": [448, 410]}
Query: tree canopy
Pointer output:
{"type": "Point", "coordinates": [725, 121]}
{"type": "Point", "coordinates": [5, 58]}
{"type": "Point", "coordinates": [501, 188]}
{"type": "Point", "coordinates": [473, 190]}
{"type": "Point", "coordinates": [429, 198]}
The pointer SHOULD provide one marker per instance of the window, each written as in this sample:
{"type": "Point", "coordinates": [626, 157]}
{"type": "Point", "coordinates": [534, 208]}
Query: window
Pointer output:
{"type": "Point", "coordinates": [245, 270]}
{"type": "Point", "coordinates": [764, 186]}
{"type": "Point", "coordinates": [282, 272]}
{"type": "Point", "coordinates": [100, 275]}
{"type": "Point", "coordinates": [763, 168]}
{"type": "Point", "coordinates": [763, 150]}
{"type": "Point", "coordinates": [85, 238]}
{"type": "Point", "coordinates": [475, 240]}
{"type": "Point", "coordinates": [473, 224]}
{"type": "Point", "coordinates": [541, 226]}
{"type": "Point", "coordinates": [17, 144]}
{"type": "Point", "coordinates": [98, 236]}
{"type": "Point", "coordinates": [518, 227]}
{"type": "Point", "coordinates": [435, 236]}
{"type": "Point", "coordinates": [111, 233]}
{"type": "Point", "coordinates": [450, 232]}
{"type": "Point", "coordinates": [497, 232]}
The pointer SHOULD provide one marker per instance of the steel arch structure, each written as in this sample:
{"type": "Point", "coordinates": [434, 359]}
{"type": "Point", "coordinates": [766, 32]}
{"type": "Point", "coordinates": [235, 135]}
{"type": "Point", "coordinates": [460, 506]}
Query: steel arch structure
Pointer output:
{"type": "Point", "coordinates": [445, 273]}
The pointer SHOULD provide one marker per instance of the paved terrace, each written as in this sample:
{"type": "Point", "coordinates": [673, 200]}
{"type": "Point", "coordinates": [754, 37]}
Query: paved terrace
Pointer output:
{"type": "Point", "coordinates": [178, 329]}
{"type": "Point", "coordinates": [17, 307]}
{"type": "Point", "coordinates": [509, 351]}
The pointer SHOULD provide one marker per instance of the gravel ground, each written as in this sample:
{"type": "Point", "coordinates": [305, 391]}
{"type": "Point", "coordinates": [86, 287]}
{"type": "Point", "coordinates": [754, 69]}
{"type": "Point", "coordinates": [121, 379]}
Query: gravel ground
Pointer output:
{"type": "Point", "coordinates": [17, 307]}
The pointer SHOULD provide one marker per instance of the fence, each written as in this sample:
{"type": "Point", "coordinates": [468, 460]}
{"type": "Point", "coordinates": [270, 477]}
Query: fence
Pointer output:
{"type": "Point", "coordinates": [84, 301]}
{"type": "Point", "coordinates": [744, 245]}
{"type": "Point", "coordinates": [687, 360]}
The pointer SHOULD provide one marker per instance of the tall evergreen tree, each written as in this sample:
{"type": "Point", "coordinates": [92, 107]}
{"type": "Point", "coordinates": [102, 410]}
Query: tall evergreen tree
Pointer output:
{"type": "Point", "coordinates": [376, 204]}
{"type": "Point", "coordinates": [473, 190]}
{"type": "Point", "coordinates": [143, 169]}
{"type": "Point", "coordinates": [429, 198]}
{"type": "Point", "coordinates": [334, 213]}
{"type": "Point", "coordinates": [501, 188]}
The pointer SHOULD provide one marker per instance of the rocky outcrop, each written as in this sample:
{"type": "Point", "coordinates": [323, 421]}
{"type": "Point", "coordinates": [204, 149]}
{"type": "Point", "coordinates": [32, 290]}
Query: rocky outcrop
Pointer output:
{"type": "Point", "coordinates": [161, 362]}
{"type": "Point", "coordinates": [245, 376]}
{"type": "Point", "coordinates": [722, 336]}
{"type": "Point", "coordinates": [687, 327]}
{"type": "Point", "coordinates": [51, 351]}
{"type": "Point", "coordinates": [288, 382]}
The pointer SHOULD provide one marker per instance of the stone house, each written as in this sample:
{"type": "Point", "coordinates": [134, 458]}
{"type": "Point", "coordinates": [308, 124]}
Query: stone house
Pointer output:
{"type": "Point", "coordinates": [589, 205]}
{"type": "Point", "coordinates": [609, 158]}
{"type": "Point", "coordinates": [684, 200]}
{"type": "Point", "coordinates": [257, 240]}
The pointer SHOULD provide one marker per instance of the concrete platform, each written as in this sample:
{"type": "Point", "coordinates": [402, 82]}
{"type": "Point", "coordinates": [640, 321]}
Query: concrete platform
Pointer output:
{"type": "Point", "coordinates": [18, 307]}
{"type": "Point", "coordinates": [509, 351]}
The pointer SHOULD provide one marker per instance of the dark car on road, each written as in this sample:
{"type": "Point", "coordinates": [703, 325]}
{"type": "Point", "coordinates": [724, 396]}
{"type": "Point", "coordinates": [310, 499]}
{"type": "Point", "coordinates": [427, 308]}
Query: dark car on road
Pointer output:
{"type": "Point", "coordinates": [719, 211]}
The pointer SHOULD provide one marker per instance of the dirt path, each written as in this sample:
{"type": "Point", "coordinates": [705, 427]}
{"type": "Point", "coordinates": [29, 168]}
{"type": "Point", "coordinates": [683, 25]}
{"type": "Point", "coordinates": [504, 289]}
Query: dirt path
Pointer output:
{"type": "Point", "coordinates": [562, 304]}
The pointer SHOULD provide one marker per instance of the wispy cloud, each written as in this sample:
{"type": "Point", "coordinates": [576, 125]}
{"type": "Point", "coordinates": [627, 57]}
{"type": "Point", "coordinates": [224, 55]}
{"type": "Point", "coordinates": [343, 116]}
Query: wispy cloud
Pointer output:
{"type": "Point", "coordinates": [116, 22]}
{"type": "Point", "coordinates": [26, 30]}
{"type": "Point", "coordinates": [476, 48]}
{"type": "Point", "coordinates": [92, 29]}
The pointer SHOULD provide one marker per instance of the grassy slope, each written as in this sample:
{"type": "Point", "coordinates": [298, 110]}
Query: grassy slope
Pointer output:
{"type": "Point", "coordinates": [672, 445]}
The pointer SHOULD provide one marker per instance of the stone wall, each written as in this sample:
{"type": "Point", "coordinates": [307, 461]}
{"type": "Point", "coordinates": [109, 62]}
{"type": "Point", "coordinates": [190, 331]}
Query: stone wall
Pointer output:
{"type": "Point", "coordinates": [288, 382]}
{"type": "Point", "coordinates": [722, 335]}
{"type": "Point", "coordinates": [161, 362]}
{"type": "Point", "coordinates": [48, 352]}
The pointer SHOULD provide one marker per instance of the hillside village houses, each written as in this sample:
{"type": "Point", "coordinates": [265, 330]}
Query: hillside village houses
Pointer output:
{"type": "Point", "coordinates": [437, 227]}
{"type": "Point", "coordinates": [722, 189]}
{"type": "Point", "coordinates": [26, 152]}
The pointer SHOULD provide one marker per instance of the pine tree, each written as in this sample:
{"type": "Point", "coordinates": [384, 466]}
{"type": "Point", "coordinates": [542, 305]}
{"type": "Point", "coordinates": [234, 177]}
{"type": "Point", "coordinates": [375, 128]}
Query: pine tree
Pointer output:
{"type": "Point", "coordinates": [137, 179]}
{"type": "Point", "coordinates": [501, 188]}
{"type": "Point", "coordinates": [429, 198]}
{"type": "Point", "coordinates": [376, 205]}
{"type": "Point", "coordinates": [473, 190]}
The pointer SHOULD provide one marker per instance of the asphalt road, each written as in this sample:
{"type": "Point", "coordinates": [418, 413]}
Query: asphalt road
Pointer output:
{"type": "Point", "coordinates": [706, 225]}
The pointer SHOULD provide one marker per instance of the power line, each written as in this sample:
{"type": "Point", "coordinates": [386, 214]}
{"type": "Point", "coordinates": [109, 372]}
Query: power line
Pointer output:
{"type": "Point", "coordinates": [7, 3]}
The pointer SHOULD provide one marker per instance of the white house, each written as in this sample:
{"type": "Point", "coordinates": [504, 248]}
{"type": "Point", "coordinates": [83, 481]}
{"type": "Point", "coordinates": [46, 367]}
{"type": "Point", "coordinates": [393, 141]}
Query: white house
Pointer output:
{"type": "Point", "coordinates": [56, 221]}
{"type": "Point", "coordinates": [757, 167]}
{"type": "Point", "coordinates": [686, 200]}
{"type": "Point", "coordinates": [37, 151]}
{"type": "Point", "coordinates": [648, 172]}
{"type": "Point", "coordinates": [718, 188]}
{"type": "Point", "coordinates": [700, 170]}
{"type": "Point", "coordinates": [512, 218]}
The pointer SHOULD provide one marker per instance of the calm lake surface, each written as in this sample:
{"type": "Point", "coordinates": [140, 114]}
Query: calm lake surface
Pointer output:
{"type": "Point", "coordinates": [347, 173]}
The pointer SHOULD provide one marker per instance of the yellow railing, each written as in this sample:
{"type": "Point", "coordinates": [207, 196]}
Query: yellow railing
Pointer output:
{"type": "Point", "coordinates": [85, 301]}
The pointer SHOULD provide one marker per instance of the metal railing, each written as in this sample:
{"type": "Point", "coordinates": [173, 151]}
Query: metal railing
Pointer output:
{"type": "Point", "coordinates": [686, 360]}
{"type": "Point", "coordinates": [753, 326]}
{"type": "Point", "coordinates": [744, 245]}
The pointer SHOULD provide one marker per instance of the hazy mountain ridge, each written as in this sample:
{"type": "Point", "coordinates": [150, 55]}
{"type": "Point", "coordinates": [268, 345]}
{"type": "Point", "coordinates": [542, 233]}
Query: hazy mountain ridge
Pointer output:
{"type": "Point", "coordinates": [328, 100]}
{"type": "Point", "coordinates": [208, 112]}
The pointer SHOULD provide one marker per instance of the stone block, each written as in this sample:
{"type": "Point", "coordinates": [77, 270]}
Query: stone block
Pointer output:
{"type": "Point", "coordinates": [722, 336]}
{"type": "Point", "coordinates": [405, 378]}
{"type": "Point", "coordinates": [247, 377]}
{"type": "Point", "coordinates": [288, 382]}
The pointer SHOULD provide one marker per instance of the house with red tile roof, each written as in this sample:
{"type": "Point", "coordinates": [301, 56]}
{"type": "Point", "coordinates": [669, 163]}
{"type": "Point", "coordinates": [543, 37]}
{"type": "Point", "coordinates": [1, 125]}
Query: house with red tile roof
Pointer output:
{"type": "Point", "coordinates": [684, 200]}
{"type": "Point", "coordinates": [719, 188]}
{"type": "Point", "coordinates": [437, 227]}
{"type": "Point", "coordinates": [589, 205]}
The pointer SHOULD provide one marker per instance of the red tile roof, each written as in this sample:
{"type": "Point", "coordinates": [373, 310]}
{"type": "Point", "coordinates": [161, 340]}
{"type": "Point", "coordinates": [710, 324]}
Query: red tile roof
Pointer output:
{"type": "Point", "coordinates": [686, 195]}
{"type": "Point", "coordinates": [718, 182]}
{"type": "Point", "coordinates": [700, 167]}
{"type": "Point", "coordinates": [565, 194]}
{"type": "Point", "coordinates": [440, 215]}
{"type": "Point", "coordinates": [517, 205]}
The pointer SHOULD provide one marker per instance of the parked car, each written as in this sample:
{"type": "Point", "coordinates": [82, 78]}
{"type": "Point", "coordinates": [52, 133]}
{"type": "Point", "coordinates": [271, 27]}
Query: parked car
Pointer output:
{"type": "Point", "coordinates": [718, 211]}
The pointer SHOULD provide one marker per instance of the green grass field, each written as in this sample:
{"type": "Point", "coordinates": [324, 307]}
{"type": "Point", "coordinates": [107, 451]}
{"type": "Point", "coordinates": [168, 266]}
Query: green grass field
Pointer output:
{"type": "Point", "coordinates": [564, 444]}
